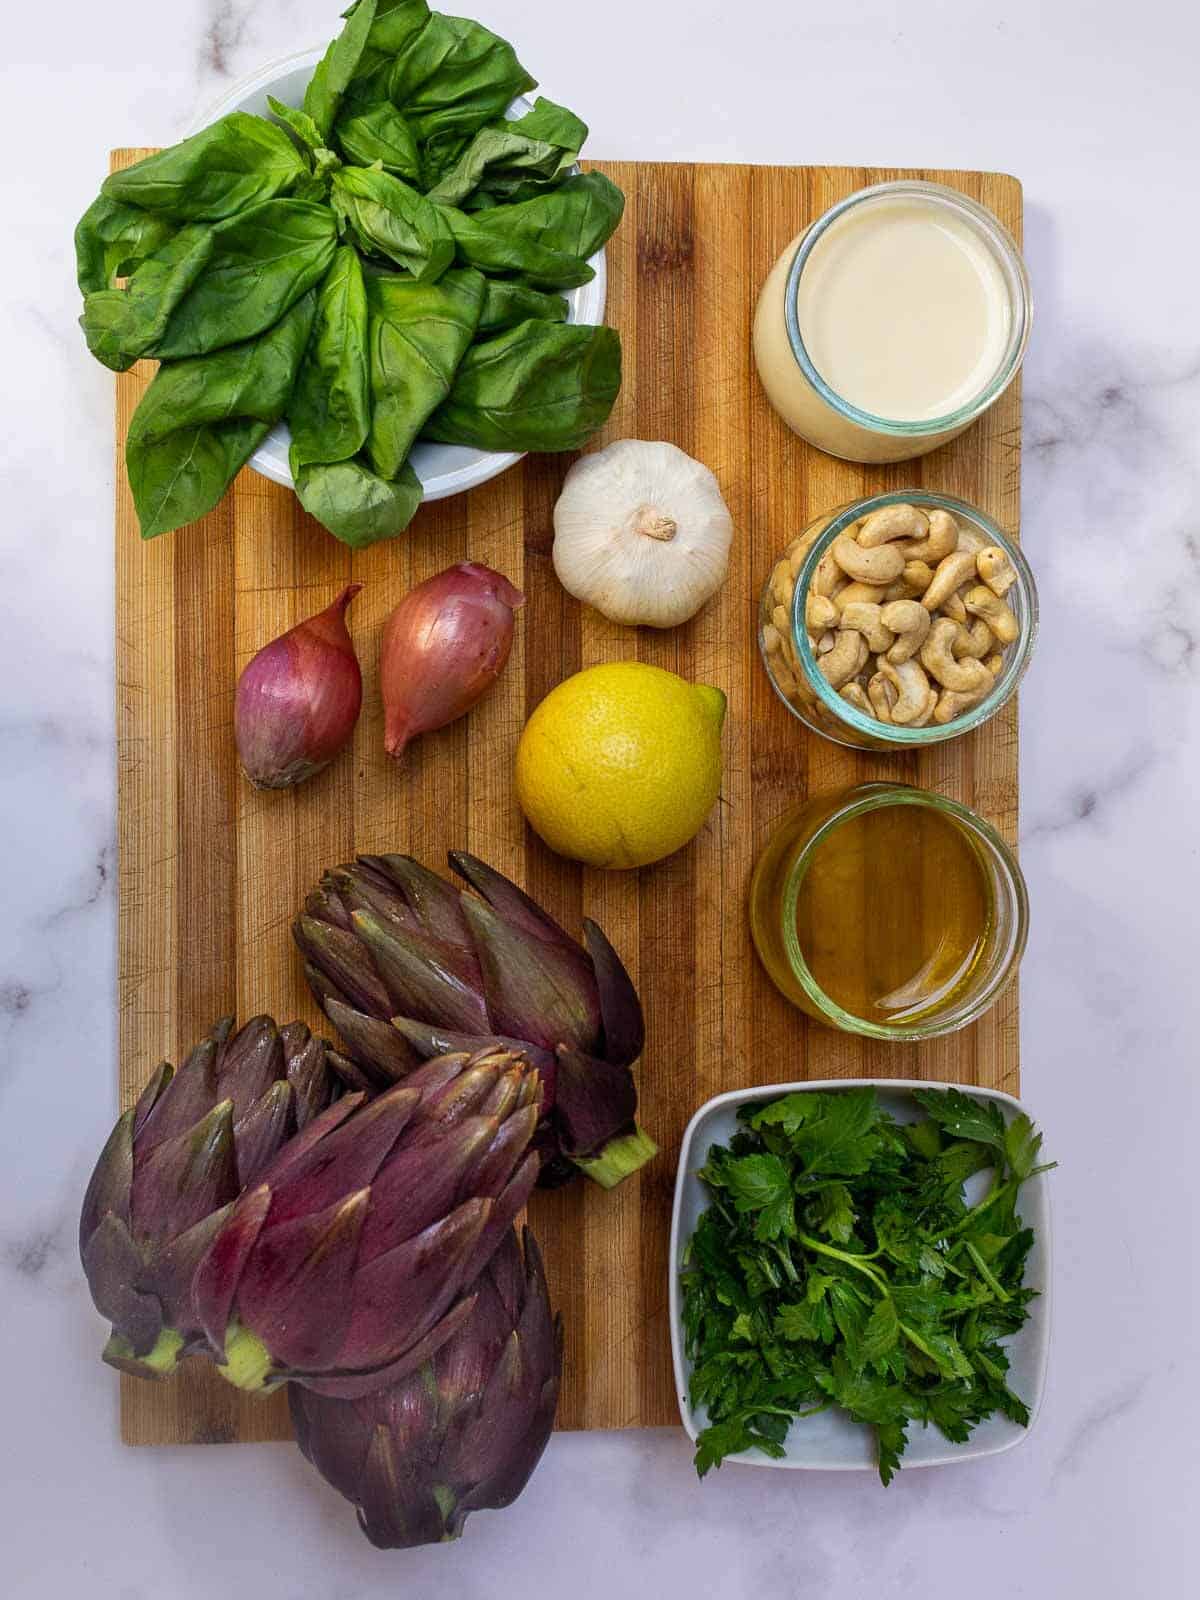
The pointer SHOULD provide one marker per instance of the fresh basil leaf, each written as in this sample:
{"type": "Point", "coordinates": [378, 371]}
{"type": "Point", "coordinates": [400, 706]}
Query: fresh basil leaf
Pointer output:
{"type": "Point", "coordinates": [389, 218]}
{"type": "Point", "coordinates": [299, 123]}
{"type": "Point", "coordinates": [262, 262]}
{"type": "Point", "coordinates": [552, 124]}
{"type": "Point", "coordinates": [330, 410]}
{"type": "Point", "coordinates": [112, 240]}
{"type": "Point", "coordinates": [378, 133]}
{"type": "Point", "coordinates": [419, 334]}
{"type": "Point", "coordinates": [506, 303]}
{"type": "Point", "coordinates": [237, 162]}
{"type": "Point", "coordinates": [337, 68]}
{"type": "Point", "coordinates": [484, 240]}
{"type": "Point", "coordinates": [122, 325]}
{"type": "Point", "coordinates": [201, 419]}
{"type": "Point", "coordinates": [449, 78]}
{"type": "Point", "coordinates": [538, 386]}
{"type": "Point", "coordinates": [355, 504]}
{"type": "Point", "coordinates": [546, 240]}
{"type": "Point", "coordinates": [395, 24]}
{"type": "Point", "coordinates": [525, 155]}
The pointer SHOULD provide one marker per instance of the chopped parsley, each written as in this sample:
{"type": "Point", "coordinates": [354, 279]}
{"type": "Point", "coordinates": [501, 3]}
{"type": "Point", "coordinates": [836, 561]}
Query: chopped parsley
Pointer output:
{"type": "Point", "coordinates": [839, 1264]}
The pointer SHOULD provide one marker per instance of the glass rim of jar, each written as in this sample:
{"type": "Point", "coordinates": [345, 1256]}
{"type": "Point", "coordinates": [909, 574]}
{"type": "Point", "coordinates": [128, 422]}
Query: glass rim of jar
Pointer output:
{"type": "Point", "coordinates": [1010, 674]}
{"type": "Point", "coordinates": [858, 801]}
{"type": "Point", "coordinates": [1020, 294]}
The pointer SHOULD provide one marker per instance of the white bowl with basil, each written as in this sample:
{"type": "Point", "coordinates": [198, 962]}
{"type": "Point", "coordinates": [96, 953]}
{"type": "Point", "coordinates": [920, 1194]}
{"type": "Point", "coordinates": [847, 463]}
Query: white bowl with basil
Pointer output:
{"type": "Point", "coordinates": [444, 469]}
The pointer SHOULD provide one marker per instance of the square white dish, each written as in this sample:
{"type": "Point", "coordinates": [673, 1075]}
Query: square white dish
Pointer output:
{"type": "Point", "coordinates": [444, 469]}
{"type": "Point", "coordinates": [831, 1441]}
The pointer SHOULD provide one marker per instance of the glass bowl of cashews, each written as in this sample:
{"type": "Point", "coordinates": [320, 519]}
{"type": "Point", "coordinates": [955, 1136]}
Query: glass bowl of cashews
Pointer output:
{"type": "Point", "coordinates": [898, 621]}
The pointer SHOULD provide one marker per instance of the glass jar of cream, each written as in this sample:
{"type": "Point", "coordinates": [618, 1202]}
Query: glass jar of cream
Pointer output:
{"type": "Point", "coordinates": [893, 322]}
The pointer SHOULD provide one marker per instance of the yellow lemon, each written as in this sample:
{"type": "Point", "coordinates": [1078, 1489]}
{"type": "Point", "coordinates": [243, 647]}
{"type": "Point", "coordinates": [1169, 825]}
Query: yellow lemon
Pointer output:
{"type": "Point", "coordinates": [620, 765]}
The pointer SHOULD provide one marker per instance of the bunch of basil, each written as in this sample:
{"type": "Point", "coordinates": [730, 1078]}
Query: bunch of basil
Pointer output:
{"type": "Point", "coordinates": [385, 270]}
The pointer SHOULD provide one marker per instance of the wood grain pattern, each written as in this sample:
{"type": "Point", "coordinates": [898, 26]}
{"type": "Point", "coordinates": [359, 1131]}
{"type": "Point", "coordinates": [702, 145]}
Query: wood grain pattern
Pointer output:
{"type": "Point", "coordinates": [211, 872]}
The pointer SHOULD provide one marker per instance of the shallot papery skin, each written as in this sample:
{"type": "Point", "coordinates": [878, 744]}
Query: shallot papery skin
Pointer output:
{"type": "Point", "coordinates": [444, 646]}
{"type": "Point", "coordinates": [299, 699]}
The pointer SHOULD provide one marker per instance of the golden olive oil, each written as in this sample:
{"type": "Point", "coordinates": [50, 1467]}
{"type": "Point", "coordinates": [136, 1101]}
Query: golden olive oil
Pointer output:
{"type": "Point", "coordinates": [875, 909]}
{"type": "Point", "coordinates": [893, 913]}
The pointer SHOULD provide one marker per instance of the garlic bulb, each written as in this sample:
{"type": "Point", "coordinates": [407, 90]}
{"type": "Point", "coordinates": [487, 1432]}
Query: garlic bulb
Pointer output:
{"type": "Point", "coordinates": [641, 533]}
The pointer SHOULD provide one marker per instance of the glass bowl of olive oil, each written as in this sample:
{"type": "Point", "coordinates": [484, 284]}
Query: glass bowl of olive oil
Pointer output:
{"type": "Point", "coordinates": [889, 911]}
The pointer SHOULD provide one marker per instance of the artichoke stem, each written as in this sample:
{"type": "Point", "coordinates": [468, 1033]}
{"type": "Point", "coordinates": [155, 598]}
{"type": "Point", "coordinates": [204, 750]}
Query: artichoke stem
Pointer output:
{"type": "Point", "coordinates": [619, 1159]}
{"type": "Point", "coordinates": [247, 1363]}
{"type": "Point", "coordinates": [159, 1362]}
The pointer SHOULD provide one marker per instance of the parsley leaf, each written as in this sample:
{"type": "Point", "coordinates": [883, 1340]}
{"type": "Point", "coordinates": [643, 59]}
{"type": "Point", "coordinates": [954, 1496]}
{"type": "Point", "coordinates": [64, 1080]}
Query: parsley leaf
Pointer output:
{"type": "Point", "coordinates": [832, 1213]}
{"type": "Point", "coordinates": [980, 1120]}
{"type": "Point", "coordinates": [838, 1263]}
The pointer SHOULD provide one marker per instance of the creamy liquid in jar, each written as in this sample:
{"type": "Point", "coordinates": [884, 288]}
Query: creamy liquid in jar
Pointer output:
{"type": "Point", "coordinates": [905, 309]}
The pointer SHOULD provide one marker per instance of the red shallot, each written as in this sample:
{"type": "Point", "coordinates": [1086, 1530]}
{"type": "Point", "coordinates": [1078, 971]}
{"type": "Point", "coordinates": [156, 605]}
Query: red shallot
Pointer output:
{"type": "Point", "coordinates": [444, 646]}
{"type": "Point", "coordinates": [298, 700]}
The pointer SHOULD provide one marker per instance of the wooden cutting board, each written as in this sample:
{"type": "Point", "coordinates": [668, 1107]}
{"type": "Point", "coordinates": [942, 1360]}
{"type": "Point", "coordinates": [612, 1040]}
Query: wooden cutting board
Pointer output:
{"type": "Point", "coordinates": [212, 872]}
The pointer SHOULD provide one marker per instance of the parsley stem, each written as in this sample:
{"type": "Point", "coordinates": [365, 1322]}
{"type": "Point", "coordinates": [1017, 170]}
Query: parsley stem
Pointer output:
{"type": "Point", "coordinates": [975, 1212]}
{"type": "Point", "coordinates": [985, 1272]}
{"type": "Point", "coordinates": [859, 1261]}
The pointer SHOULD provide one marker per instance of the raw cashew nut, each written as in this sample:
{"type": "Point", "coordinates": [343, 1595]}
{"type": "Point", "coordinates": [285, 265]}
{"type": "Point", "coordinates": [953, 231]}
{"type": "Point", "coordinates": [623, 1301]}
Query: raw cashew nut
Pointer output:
{"type": "Point", "coordinates": [864, 618]}
{"type": "Point", "coordinates": [781, 618]}
{"type": "Point", "coordinates": [772, 641]}
{"type": "Point", "coordinates": [854, 593]}
{"type": "Point", "coordinates": [953, 607]}
{"type": "Point", "coordinates": [828, 577]}
{"type": "Point", "coordinates": [883, 694]}
{"type": "Point", "coordinates": [953, 702]}
{"type": "Point", "coordinates": [846, 660]}
{"type": "Point", "coordinates": [996, 569]}
{"type": "Point", "coordinates": [974, 641]}
{"type": "Point", "coordinates": [880, 565]}
{"type": "Point", "coordinates": [909, 621]}
{"type": "Point", "coordinates": [930, 707]}
{"type": "Point", "coordinates": [785, 677]}
{"type": "Point", "coordinates": [782, 584]}
{"type": "Point", "coordinates": [826, 642]}
{"type": "Point", "coordinates": [916, 577]}
{"type": "Point", "coordinates": [893, 522]}
{"type": "Point", "coordinates": [820, 613]}
{"type": "Point", "coordinates": [857, 696]}
{"type": "Point", "coordinates": [951, 573]}
{"type": "Point", "coordinates": [981, 602]}
{"type": "Point", "coordinates": [912, 689]}
{"type": "Point", "coordinates": [995, 665]}
{"type": "Point", "coordinates": [936, 657]}
{"type": "Point", "coordinates": [970, 539]}
{"type": "Point", "coordinates": [942, 539]}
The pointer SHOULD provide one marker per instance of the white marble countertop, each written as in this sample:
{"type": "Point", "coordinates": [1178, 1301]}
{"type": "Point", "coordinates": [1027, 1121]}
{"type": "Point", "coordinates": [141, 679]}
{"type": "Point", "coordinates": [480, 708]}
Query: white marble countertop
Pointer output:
{"type": "Point", "coordinates": [1094, 107]}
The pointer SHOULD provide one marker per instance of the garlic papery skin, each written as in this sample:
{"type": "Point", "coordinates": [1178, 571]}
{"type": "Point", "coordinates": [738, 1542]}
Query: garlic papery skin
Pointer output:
{"type": "Point", "coordinates": [642, 533]}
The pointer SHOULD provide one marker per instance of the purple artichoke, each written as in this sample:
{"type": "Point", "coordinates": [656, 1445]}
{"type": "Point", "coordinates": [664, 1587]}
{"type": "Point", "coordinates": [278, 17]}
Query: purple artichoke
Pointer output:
{"type": "Point", "coordinates": [172, 1168]}
{"type": "Point", "coordinates": [406, 966]}
{"type": "Point", "coordinates": [462, 1433]}
{"type": "Point", "coordinates": [349, 1262]}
